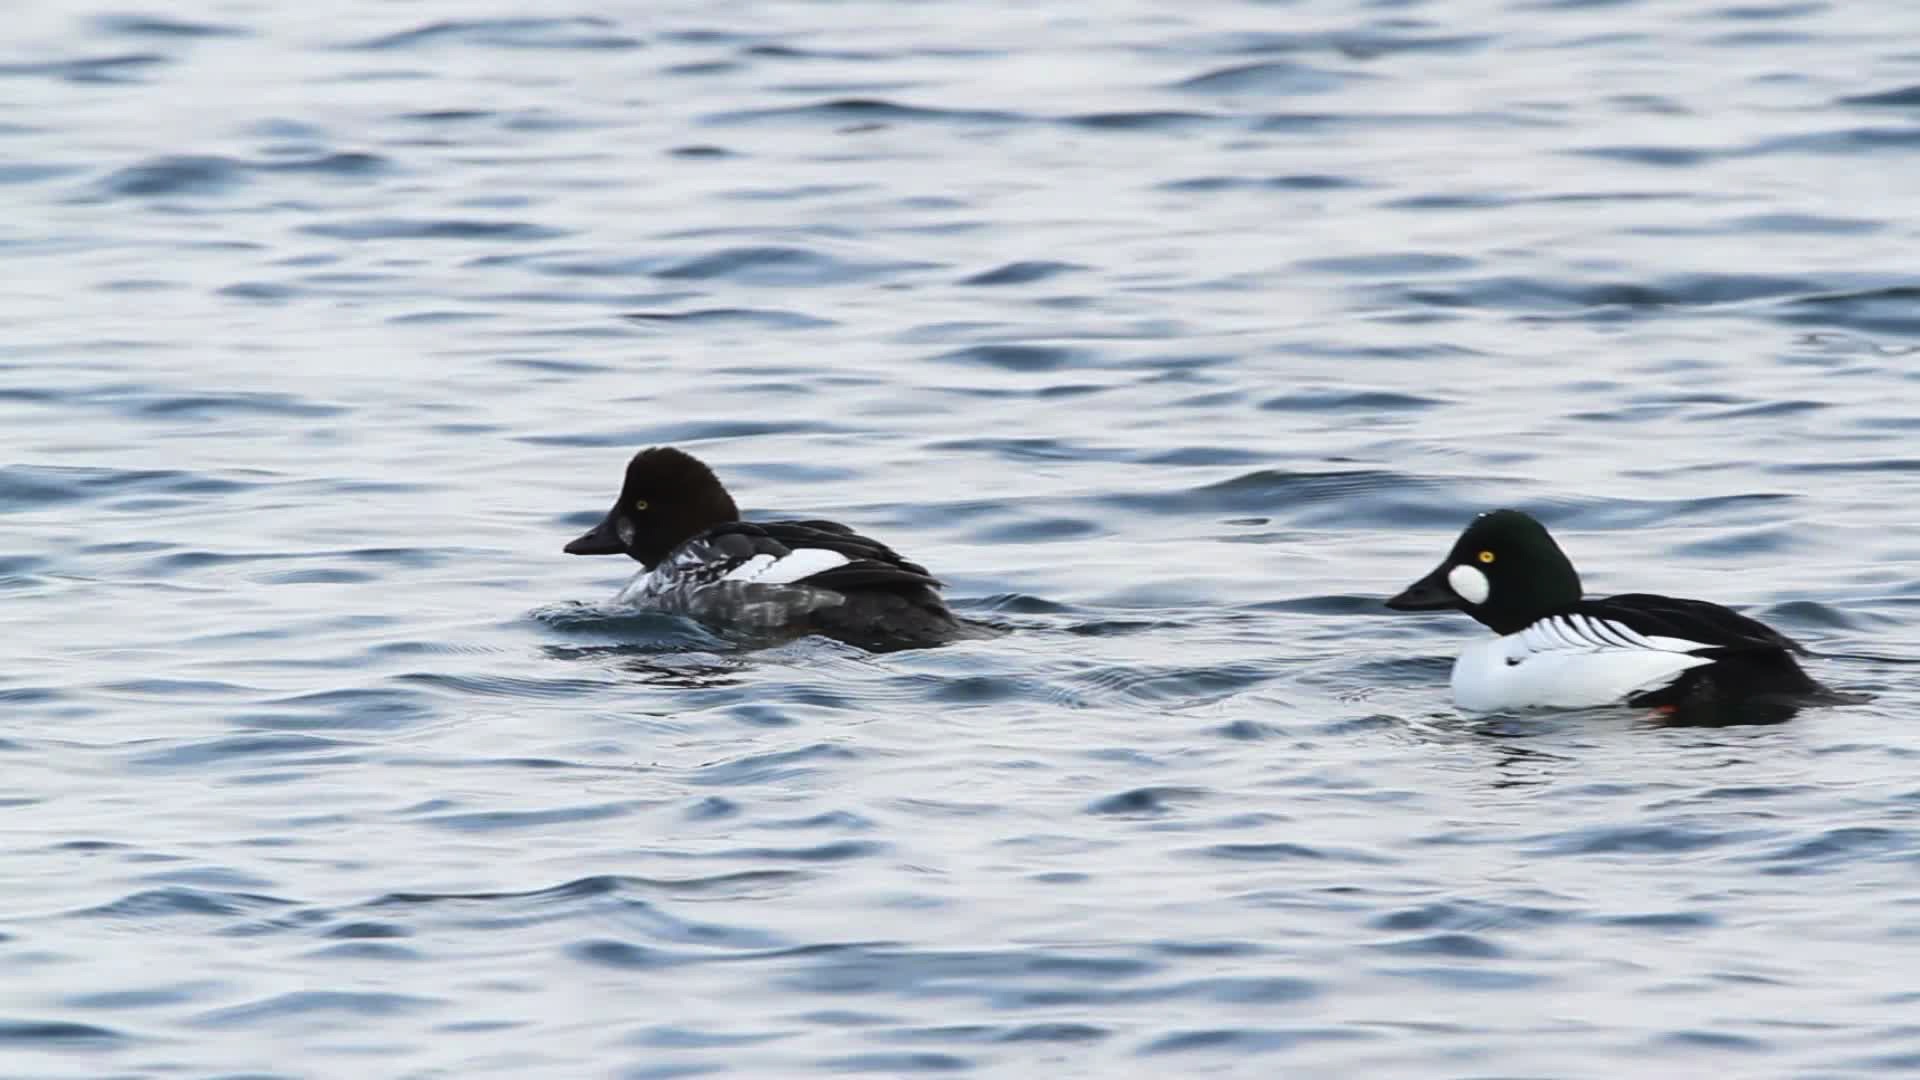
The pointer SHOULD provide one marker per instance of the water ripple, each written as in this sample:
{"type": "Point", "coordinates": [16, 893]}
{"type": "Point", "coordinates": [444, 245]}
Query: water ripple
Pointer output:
{"type": "Point", "coordinates": [571, 32]}
{"type": "Point", "coordinates": [110, 69]}
{"type": "Point", "coordinates": [1172, 338]}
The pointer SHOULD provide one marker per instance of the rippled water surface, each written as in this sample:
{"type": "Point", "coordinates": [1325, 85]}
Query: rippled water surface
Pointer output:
{"type": "Point", "coordinates": [1172, 336]}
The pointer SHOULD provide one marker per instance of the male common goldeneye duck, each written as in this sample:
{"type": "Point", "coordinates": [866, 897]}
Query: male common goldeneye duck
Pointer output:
{"type": "Point", "coordinates": [701, 560]}
{"type": "Point", "coordinates": [1558, 650]}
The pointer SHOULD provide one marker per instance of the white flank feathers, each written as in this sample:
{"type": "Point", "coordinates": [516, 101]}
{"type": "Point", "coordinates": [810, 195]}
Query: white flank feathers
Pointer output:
{"type": "Point", "coordinates": [1568, 662]}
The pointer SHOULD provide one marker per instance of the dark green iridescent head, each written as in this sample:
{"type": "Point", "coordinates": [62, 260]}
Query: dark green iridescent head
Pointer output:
{"type": "Point", "coordinates": [1505, 571]}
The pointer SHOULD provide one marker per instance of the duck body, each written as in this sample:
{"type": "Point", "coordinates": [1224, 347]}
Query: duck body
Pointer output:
{"type": "Point", "coordinates": [797, 577]}
{"type": "Point", "coordinates": [1556, 649]}
{"type": "Point", "coordinates": [762, 578]}
{"type": "Point", "coordinates": [1635, 649]}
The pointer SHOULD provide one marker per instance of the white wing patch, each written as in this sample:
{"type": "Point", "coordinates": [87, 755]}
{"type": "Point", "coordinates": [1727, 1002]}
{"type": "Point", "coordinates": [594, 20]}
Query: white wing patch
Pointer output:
{"type": "Point", "coordinates": [1570, 662]}
{"type": "Point", "coordinates": [791, 567]}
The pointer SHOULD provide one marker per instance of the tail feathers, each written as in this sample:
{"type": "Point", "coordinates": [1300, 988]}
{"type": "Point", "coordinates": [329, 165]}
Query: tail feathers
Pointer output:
{"type": "Point", "coordinates": [1741, 686]}
{"type": "Point", "coordinates": [883, 620]}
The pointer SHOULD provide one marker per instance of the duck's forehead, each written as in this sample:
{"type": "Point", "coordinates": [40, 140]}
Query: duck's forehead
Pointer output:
{"type": "Point", "coordinates": [1490, 526]}
{"type": "Point", "coordinates": [641, 470]}
{"type": "Point", "coordinates": [664, 468]}
{"type": "Point", "coordinates": [1476, 534]}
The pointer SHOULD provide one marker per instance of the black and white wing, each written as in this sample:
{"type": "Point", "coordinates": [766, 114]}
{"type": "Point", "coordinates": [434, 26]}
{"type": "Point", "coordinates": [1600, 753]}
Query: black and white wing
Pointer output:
{"type": "Point", "coordinates": [820, 554]}
{"type": "Point", "coordinates": [1715, 628]}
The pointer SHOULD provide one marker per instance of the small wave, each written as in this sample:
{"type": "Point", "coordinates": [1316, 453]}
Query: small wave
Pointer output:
{"type": "Point", "coordinates": [432, 229]}
{"type": "Point", "coordinates": [508, 686]}
{"type": "Point", "coordinates": [1455, 944]}
{"type": "Point", "coordinates": [114, 69]}
{"type": "Point", "coordinates": [768, 265]}
{"type": "Point", "coordinates": [1846, 142]}
{"type": "Point", "coordinates": [1397, 263]}
{"type": "Point", "coordinates": [199, 406]}
{"type": "Point", "coordinates": [993, 975]}
{"type": "Point", "coordinates": [266, 292]}
{"type": "Point", "coordinates": [1769, 540]}
{"type": "Point", "coordinates": [1893, 309]}
{"type": "Point", "coordinates": [242, 749]}
{"type": "Point", "coordinates": [1290, 182]}
{"type": "Point", "coordinates": [1663, 921]}
{"type": "Point", "coordinates": [340, 163]}
{"type": "Point", "coordinates": [1145, 802]}
{"type": "Point", "coordinates": [156, 26]}
{"type": "Point", "coordinates": [1375, 495]}
{"type": "Point", "coordinates": [1030, 530]}
{"type": "Point", "coordinates": [1904, 97]}
{"type": "Point", "coordinates": [1150, 120]}
{"type": "Point", "coordinates": [897, 1064]}
{"type": "Point", "coordinates": [1794, 224]}
{"type": "Point", "coordinates": [1538, 294]}
{"type": "Point", "coordinates": [30, 1035]}
{"type": "Point", "coordinates": [758, 318]}
{"type": "Point", "coordinates": [1250, 1040]}
{"type": "Point", "coordinates": [1467, 915]}
{"type": "Point", "coordinates": [1840, 849]}
{"type": "Point", "coordinates": [30, 487]}
{"type": "Point", "coordinates": [175, 174]}
{"type": "Point", "coordinates": [1025, 272]}
{"type": "Point", "coordinates": [1665, 157]}
{"type": "Point", "coordinates": [1176, 686]}
{"type": "Point", "coordinates": [864, 111]}
{"type": "Point", "coordinates": [1367, 44]}
{"type": "Point", "coordinates": [603, 886]}
{"type": "Point", "coordinates": [1638, 840]}
{"type": "Point", "coordinates": [1280, 77]}
{"type": "Point", "coordinates": [576, 32]}
{"type": "Point", "coordinates": [212, 174]}
{"type": "Point", "coordinates": [1016, 603]}
{"type": "Point", "coordinates": [493, 821]}
{"type": "Point", "coordinates": [179, 900]}
{"type": "Point", "coordinates": [775, 766]}
{"type": "Point", "coordinates": [1283, 851]}
{"type": "Point", "coordinates": [1489, 200]}
{"type": "Point", "coordinates": [347, 1010]}
{"type": "Point", "coordinates": [832, 851]}
{"type": "Point", "coordinates": [683, 432]}
{"type": "Point", "coordinates": [626, 956]}
{"type": "Point", "coordinates": [354, 708]}
{"type": "Point", "coordinates": [1023, 358]}
{"type": "Point", "coordinates": [1339, 401]}
{"type": "Point", "coordinates": [26, 172]}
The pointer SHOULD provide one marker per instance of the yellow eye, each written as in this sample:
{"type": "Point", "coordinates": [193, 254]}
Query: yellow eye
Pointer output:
{"type": "Point", "coordinates": [639, 504]}
{"type": "Point", "coordinates": [1486, 556]}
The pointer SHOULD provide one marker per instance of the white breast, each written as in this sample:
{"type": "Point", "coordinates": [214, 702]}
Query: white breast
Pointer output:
{"type": "Point", "coordinates": [1568, 662]}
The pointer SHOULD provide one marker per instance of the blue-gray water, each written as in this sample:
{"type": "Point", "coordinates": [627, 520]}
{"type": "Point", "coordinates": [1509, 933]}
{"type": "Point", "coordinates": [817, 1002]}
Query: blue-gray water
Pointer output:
{"type": "Point", "coordinates": [1173, 336]}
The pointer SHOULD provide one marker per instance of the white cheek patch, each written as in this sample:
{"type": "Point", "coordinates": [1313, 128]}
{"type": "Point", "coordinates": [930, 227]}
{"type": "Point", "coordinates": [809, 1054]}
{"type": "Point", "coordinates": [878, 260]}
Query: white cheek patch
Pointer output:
{"type": "Point", "coordinates": [805, 562]}
{"type": "Point", "coordinates": [1469, 584]}
{"type": "Point", "coordinates": [625, 529]}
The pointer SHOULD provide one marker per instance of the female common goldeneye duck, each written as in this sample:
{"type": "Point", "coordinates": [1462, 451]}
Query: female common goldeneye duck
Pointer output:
{"type": "Point", "coordinates": [1558, 650]}
{"type": "Point", "coordinates": [701, 560]}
